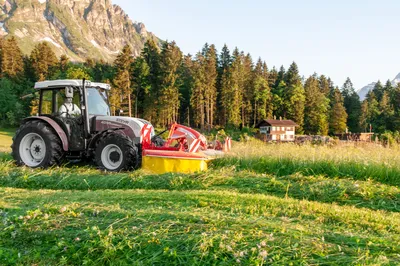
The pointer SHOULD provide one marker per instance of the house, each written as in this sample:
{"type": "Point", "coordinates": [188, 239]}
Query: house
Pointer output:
{"type": "Point", "coordinates": [277, 130]}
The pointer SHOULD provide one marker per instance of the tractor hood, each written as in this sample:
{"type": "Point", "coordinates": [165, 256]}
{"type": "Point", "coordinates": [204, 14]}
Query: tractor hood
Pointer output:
{"type": "Point", "coordinates": [130, 126]}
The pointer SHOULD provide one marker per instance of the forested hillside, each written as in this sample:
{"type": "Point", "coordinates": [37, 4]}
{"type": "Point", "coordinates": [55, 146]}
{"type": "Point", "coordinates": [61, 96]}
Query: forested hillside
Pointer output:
{"type": "Point", "coordinates": [208, 89]}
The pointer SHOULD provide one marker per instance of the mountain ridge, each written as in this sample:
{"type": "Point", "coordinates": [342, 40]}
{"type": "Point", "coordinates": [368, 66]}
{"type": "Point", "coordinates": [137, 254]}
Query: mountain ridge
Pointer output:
{"type": "Point", "coordinates": [364, 90]}
{"type": "Point", "coordinates": [81, 29]}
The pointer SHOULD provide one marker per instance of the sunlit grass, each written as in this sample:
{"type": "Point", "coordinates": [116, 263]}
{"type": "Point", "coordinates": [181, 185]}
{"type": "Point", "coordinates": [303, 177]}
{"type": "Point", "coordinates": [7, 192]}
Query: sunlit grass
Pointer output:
{"type": "Point", "coordinates": [262, 204]}
{"type": "Point", "coordinates": [6, 139]}
{"type": "Point", "coordinates": [363, 153]}
{"type": "Point", "coordinates": [193, 227]}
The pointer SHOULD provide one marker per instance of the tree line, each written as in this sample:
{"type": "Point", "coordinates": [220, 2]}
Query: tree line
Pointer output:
{"type": "Point", "coordinates": [205, 90]}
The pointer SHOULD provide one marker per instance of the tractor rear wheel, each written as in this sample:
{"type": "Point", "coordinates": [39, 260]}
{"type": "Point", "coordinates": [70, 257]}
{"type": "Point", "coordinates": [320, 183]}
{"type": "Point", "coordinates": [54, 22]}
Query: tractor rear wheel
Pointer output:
{"type": "Point", "coordinates": [116, 152]}
{"type": "Point", "coordinates": [36, 144]}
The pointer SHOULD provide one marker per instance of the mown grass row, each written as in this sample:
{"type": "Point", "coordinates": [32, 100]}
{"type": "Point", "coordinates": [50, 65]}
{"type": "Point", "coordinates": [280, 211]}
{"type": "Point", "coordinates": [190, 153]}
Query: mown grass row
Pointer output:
{"type": "Point", "coordinates": [347, 191]}
{"type": "Point", "coordinates": [286, 166]}
{"type": "Point", "coordinates": [114, 227]}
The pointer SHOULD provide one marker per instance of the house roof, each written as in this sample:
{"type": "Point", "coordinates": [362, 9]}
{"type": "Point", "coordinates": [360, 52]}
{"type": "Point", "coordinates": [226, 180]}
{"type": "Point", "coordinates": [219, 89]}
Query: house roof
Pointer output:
{"type": "Point", "coordinates": [273, 122]}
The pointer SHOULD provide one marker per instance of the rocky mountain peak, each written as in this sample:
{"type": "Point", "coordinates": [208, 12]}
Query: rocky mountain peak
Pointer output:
{"type": "Point", "coordinates": [364, 90]}
{"type": "Point", "coordinates": [81, 29]}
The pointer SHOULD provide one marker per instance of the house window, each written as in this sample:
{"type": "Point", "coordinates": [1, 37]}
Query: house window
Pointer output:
{"type": "Point", "coordinates": [263, 130]}
{"type": "Point", "coordinates": [291, 137]}
{"type": "Point", "coordinates": [283, 128]}
{"type": "Point", "coordinates": [278, 128]}
{"type": "Point", "coordinates": [273, 128]}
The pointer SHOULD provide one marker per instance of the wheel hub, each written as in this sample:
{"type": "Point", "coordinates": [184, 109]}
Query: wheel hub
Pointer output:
{"type": "Point", "coordinates": [37, 149]}
{"type": "Point", "coordinates": [115, 156]}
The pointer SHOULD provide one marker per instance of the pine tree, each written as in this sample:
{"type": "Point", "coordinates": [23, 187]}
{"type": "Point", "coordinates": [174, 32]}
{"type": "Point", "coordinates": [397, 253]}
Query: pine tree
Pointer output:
{"type": "Point", "coordinates": [122, 81]}
{"type": "Point", "coordinates": [294, 99]}
{"type": "Point", "coordinates": [272, 77]}
{"type": "Point", "coordinates": [224, 62]}
{"type": "Point", "coordinates": [248, 90]}
{"type": "Point", "coordinates": [373, 111]}
{"type": "Point", "coordinates": [364, 116]}
{"type": "Point", "coordinates": [395, 100]}
{"type": "Point", "coordinates": [353, 106]}
{"type": "Point", "coordinates": [170, 61]}
{"type": "Point", "coordinates": [386, 117]}
{"type": "Point", "coordinates": [232, 90]}
{"type": "Point", "coordinates": [197, 92]}
{"type": "Point", "coordinates": [186, 85]}
{"type": "Point", "coordinates": [324, 85]}
{"type": "Point", "coordinates": [316, 108]}
{"type": "Point", "coordinates": [210, 80]}
{"type": "Point", "coordinates": [378, 91]}
{"type": "Point", "coordinates": [151, 98]}
{"type": "Point", "coordinates": [63, 63]}
{"type": "Point", "coordinates": [141, 84]}
{"type": "Point", "coordinates": [44, 61]}
{"type": "Point", "coordinates": [338, 115]}
{"type": "Point", "coordinates": [279, 102]}
{"type": "Point", "coordinates": [262, 99]}
{"type": "Point", "coordinates": [12, 63]}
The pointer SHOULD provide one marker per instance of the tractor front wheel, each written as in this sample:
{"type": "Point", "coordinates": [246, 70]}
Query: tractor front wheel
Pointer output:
{"type": "Point", "coordinates": [116, 152]}
{"type": "Point", "coordinates": [36, 144]}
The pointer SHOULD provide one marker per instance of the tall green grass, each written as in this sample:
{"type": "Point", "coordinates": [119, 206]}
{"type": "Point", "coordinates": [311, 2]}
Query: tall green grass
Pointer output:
{"type": "Point", "coordinates": [347, 191]}
{"type": "Point", "coordinates": [147, 227]}
{"type": "Point", "coordinates": [260, 205]}
{"type": "Point", "coordinates": [286, 166]}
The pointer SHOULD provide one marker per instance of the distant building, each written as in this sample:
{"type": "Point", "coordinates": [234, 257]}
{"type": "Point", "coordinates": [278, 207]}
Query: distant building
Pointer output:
{"type": "Point", "coordinates": [364, 137]}
{"type": "Point", "coordinates": [277, 130]}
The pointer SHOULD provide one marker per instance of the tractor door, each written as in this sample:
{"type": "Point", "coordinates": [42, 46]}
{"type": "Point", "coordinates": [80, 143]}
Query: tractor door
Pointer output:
{"type": "Point", "coordinates": [69, 115]}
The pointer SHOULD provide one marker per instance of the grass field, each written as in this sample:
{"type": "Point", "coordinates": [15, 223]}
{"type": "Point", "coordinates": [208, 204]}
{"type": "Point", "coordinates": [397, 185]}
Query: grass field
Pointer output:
{"type": "Point", "coordinates": [6, 139]}
{"type": "Point", "coordinates": [262, 205]}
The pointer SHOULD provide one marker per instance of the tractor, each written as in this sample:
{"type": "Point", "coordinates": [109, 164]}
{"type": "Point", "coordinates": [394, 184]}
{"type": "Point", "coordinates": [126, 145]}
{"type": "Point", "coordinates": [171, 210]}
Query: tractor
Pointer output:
{"type": "Point", "coordinates": [74, 122]}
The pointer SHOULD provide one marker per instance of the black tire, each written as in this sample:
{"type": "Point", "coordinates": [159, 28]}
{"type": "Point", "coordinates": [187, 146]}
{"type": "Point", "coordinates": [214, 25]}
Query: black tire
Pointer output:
{"type": "Point", "coordinates": [53, 146]}
{"type": "Point", "coordinates": [124, 154]}
{"type": "Point", "coordinates": [158, 141]}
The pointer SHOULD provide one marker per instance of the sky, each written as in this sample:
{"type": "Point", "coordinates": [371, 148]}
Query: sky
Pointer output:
{"type": "Point", "coordinates": [359, 39]}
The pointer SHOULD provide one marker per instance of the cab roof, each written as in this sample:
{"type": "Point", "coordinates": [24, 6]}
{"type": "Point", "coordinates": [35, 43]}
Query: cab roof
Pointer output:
{"type": "Point", "coordinates": [69, 82]}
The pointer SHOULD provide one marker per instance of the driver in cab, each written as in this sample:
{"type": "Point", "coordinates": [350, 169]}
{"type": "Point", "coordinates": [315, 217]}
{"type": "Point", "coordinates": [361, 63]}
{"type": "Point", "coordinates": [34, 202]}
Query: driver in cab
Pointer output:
{"type": "Point", "coordinates": [68, 108]}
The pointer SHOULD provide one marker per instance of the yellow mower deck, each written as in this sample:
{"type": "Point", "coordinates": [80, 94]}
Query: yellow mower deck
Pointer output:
{"type": "Point", "coordinates": [161, 165]}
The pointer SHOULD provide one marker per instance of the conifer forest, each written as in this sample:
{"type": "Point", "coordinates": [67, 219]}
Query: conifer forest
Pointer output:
{"type": "Point", "coordinates": [213, 88]}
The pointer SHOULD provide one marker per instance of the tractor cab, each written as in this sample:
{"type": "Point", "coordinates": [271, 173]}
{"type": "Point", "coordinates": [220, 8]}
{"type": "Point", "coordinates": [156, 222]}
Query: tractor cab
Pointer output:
{"type": "Point", "coordinates": [57, 95]}
{"type": "Point", "coordinates": [72, 104]}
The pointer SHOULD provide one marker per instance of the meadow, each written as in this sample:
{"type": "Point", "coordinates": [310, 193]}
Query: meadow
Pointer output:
{"type": "Point", "coordinates": [261, 205]}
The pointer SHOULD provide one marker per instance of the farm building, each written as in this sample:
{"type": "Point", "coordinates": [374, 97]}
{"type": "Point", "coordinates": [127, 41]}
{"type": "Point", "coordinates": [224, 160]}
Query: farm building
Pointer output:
{"type": "Point", "coordinates": [277, 130]}
{"type": "Point", "coordinates": [365, 137]}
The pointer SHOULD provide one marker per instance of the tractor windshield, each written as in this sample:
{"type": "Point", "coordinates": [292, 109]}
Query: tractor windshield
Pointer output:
{"type": "Point", "coordinates": [97, 102]}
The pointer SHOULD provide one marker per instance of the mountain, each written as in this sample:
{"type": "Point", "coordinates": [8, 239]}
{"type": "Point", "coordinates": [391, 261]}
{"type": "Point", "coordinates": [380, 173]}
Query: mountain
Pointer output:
{"type": "Point", "coordinates": [81, 29]}
{"type": "Point", "coordinates": [364, 90]}
{"type": "Point", "coordinates": [396, 80]}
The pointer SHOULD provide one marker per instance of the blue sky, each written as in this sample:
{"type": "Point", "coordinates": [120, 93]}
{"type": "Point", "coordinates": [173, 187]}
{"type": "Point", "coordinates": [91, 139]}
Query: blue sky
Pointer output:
{"type": "Point", "coordinates": [359, 39]}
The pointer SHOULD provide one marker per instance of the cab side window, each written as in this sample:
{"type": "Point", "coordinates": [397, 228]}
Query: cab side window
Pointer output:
{"type": "Point", "coordinates": [47, 102]}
